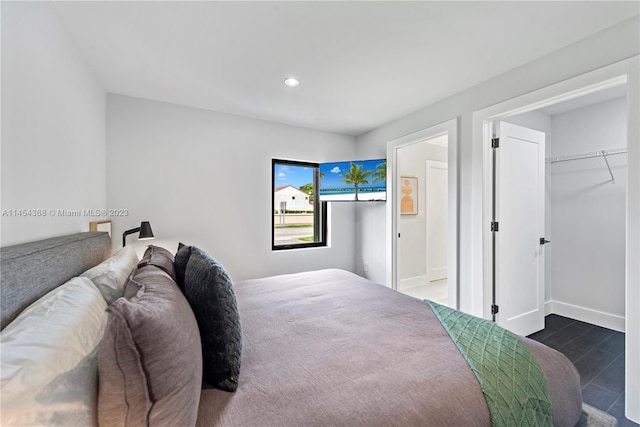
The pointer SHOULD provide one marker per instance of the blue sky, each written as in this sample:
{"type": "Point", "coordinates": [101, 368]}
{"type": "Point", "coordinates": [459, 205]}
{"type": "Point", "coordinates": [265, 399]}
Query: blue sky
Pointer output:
{"type": "Point", "coordinates": [292, 175]}
{"type": "Point", "coordinates": [333, 173]}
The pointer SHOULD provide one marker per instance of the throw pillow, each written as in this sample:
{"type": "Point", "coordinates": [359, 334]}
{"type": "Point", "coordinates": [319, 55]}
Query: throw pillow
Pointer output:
{"type": "Point", "coordinates": [161, 258]}
{"type": "Point", "coordinates": [209, 290]}
{"type": "Point", "coordinates": [150, 358]}
{"type": "Point", "coordinates": [180, 263]}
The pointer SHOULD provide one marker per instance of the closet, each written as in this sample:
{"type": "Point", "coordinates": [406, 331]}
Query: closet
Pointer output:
{"type": "Point", "coordinates": [585, 205]}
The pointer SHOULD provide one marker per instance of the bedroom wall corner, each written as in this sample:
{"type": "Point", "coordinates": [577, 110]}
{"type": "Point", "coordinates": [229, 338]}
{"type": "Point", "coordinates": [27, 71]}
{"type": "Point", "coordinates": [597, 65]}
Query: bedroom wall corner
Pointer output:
{"type": "Point", "coordinates": [53, 129]}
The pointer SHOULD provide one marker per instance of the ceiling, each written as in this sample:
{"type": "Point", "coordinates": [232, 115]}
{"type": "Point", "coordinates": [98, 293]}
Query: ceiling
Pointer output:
{"type": "Point", "coordinates": [360, 64]}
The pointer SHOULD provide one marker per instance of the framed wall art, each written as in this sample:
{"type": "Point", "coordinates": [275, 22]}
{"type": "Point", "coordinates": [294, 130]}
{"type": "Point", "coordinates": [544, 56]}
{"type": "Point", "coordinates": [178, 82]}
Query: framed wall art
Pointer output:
{"type": "Point", "coordinates": [101, 226]}
{"type": "Point", "coordinates": [409, 198]}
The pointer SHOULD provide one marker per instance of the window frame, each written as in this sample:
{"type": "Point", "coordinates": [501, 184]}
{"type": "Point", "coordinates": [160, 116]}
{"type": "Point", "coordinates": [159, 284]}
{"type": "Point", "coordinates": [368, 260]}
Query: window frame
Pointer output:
{"type": "Point", "coordinates": [319, 215]}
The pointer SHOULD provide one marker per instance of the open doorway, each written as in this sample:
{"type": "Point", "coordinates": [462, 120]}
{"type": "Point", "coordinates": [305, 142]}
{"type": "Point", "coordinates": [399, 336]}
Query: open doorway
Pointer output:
{"type": "Point", "coordinates": [586, 195]}
{"type": "Point", "coordinates": [583, 265]}
{"type": "Point", "coordinates": [597, 82]}
{"type": "Point", "coordinates": [586, 186]}
{"type": "Point", "coordinates": [423, 246]}
{"type": "Point", "coordinates": [422, 169]}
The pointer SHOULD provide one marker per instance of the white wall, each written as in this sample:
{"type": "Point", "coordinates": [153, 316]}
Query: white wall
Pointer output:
{"type": "Point", "coordinates": [588, 214]}
{"type": "Point", "coordinates": [53, 127]}
{"type": "Point", "coordinates": [188, 171]}
{"type": "Point", "coordinates": [413, 228]}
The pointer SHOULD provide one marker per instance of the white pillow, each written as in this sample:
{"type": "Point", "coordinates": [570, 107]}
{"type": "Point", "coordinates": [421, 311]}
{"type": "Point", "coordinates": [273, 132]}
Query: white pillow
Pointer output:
{"type": "Point", "coordinates": [49, 370]}
{"type": "Point", "coordinates": [111, 275]}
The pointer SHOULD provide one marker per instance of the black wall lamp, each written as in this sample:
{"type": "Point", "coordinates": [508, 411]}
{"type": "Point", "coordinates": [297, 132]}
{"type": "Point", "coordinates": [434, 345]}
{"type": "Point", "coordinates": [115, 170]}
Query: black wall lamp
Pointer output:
{"type": "Point", "coordinates": [144, 229]}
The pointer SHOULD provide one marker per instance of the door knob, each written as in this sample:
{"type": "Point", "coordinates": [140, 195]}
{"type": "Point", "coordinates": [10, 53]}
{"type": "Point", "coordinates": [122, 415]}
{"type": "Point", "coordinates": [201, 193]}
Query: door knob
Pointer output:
{"type": "Point", "coordinates": [544, 241]}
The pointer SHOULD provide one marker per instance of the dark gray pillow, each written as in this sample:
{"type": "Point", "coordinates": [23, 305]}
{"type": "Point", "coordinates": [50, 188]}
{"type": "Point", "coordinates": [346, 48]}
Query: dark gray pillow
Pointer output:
{"type": "Point", "coordinates": [180, 263]}
{"type": "Point", "coordinates": [161, 258]}
{"type": "Point", "coordinates": [209, 290]}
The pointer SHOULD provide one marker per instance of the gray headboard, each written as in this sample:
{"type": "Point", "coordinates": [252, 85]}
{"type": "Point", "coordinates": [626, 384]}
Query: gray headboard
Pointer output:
{"type": "Point", "coordinates": [30, 270]}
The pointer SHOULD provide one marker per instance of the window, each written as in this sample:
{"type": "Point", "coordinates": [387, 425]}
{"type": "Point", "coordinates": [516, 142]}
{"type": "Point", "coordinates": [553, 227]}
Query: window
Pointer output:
{"type": "Point", "coordinates": [299, 218]}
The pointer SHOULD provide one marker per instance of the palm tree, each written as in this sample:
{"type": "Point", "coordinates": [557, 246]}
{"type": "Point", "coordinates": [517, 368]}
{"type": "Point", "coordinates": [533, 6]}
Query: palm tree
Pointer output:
{"type": "Point", "coordinates": [356, 176]}
{"type": "Point", "coordinates": [308, 188]}
{"type": "Point", "coordinates": [381, 172]}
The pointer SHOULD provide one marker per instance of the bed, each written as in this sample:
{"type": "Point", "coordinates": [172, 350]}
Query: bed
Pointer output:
{"type": "Point", "coordinates": [323, 348]}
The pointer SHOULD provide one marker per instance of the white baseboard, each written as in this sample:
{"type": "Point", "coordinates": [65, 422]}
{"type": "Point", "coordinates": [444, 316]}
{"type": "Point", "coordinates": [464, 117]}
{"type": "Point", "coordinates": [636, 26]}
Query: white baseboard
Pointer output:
{"type": "Point", "coordinates": [595, 317]}
{"type": "Point", "coordinates": [439, 273]}
{"type": "Point", "coordinates": [412, 282]}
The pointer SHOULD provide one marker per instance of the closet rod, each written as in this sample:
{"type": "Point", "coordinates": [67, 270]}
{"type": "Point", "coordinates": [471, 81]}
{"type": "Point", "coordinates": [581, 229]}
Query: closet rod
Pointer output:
{"type": "Point", "coordinates": [601, 153]}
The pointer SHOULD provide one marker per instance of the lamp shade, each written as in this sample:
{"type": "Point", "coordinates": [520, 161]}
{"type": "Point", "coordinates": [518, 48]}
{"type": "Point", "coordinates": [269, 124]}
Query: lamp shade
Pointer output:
{"type": "Point", "coordinates": [145, 231]}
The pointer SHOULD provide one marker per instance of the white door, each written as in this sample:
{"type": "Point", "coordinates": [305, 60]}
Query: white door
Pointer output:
{"type": "Point", "coordinates": [519, 256]}
{"type": "Point", "coordinates": [437, 218]}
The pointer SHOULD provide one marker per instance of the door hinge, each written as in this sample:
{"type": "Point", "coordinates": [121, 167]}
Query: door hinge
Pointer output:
{"type": "Point", "coordinates": [494, 226]}
{"type": "Point", "coordinates": [494, 309]}
{"type": "Point", "coordinates": [495, 142]}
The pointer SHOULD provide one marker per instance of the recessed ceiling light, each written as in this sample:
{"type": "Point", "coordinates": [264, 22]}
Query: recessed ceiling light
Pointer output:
{"type": "Point", "coordinates": [291, 82]}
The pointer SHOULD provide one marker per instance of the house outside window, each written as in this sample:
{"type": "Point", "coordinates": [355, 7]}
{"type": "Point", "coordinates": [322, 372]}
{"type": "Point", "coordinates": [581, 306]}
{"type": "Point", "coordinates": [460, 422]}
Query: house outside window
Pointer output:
{"type": "Point", "coordinates": [299, 218]}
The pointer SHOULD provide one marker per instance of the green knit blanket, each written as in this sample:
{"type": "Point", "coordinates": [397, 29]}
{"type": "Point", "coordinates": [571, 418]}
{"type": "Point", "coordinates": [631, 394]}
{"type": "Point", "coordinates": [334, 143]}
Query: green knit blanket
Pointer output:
{"type": "Point", "coordinates": [511, 379]}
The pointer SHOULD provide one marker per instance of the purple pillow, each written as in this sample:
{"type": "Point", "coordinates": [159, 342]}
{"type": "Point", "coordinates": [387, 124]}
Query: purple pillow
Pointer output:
{"type": "Point", "coordinates": [161, 258]}
{"type": "Point", "coordinates": [150, 357]}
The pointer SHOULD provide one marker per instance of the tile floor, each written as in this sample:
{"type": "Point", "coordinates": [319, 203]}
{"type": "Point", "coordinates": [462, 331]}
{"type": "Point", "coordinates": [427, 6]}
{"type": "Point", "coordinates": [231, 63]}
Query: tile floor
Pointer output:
{"type": "Point", "coordinates": [598, 354]}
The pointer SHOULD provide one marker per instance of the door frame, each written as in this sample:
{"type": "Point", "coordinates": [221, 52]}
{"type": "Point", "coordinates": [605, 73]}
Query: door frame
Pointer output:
{"type": "Point", "coordinates": [450, 128]}
{"type": "Point", "coordinates": [483, 131]}
{"type": "Point", "coordinates": [623, 72]}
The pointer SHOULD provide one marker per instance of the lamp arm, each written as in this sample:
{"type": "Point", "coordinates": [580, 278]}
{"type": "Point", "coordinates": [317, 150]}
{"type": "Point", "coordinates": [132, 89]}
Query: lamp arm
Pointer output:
{"type": "Point", "coordinates": [126, 233]}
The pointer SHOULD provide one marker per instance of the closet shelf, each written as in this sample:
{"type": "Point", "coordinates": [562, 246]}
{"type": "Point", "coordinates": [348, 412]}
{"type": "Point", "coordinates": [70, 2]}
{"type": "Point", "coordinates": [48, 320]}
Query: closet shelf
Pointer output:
{"type": "Point", "coordinates": [601, 153]}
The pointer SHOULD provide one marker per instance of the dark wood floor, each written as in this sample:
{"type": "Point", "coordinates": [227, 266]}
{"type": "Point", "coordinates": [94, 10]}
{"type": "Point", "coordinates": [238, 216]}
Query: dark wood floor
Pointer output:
{"type": "Point", "coordinates": [598, 354]}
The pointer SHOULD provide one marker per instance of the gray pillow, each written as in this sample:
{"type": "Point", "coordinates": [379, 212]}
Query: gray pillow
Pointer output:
{"type": "Point", "coordinates": [209, 290]}
{"type": "Point", "coordinates": [150, 358]}
{"type": "Point", "coordinates": [161, 258]}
